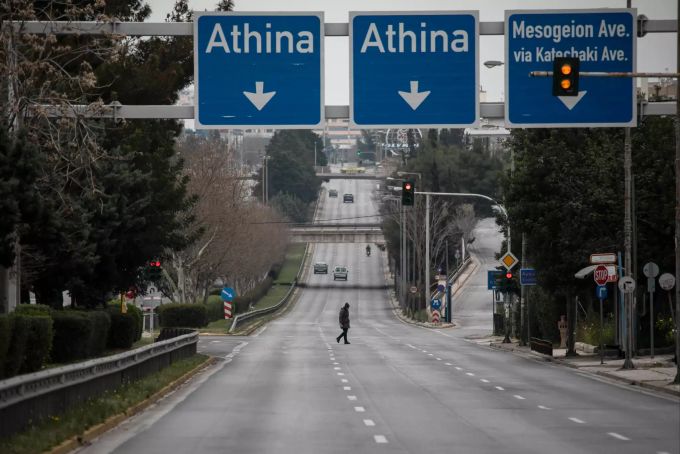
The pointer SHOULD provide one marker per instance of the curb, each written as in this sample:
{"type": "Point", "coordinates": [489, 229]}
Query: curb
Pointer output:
{"type": "Point", "coordinates": [90, 434]}
{"type": "Point", "coordinates": [534, 355]}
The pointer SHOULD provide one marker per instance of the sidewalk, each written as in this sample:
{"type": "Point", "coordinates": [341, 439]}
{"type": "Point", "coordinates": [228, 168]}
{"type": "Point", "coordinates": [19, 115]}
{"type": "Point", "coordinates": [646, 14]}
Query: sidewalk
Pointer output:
{"type": "Point", "coordinates": [656, 374]}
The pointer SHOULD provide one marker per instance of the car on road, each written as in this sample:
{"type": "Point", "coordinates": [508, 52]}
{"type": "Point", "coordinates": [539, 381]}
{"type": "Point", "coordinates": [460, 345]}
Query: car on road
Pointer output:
{"type": "Point", "coordinates": [320, 268]}
{"type": "Point", "coordinates": [340, 272]}
{"type": "Point", "coordinates": [333, 193]}
{"type": "Point", "coordinates": [348, 198]}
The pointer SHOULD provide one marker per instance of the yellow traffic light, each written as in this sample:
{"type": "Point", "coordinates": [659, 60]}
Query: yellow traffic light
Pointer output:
{"type": "Point", "coordinates": [565, 76]}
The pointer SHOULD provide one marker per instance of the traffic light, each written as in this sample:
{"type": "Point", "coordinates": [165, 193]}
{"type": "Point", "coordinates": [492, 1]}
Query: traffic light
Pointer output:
{"type": "Point", "coordinates": [408, 193]}
{"type": "Point", "coordinates": [565, 76]}
{"type": "Point", "coordinates": [154, 270]}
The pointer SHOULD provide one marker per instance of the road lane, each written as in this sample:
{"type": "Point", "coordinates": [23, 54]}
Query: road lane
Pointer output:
{"type": "Point", "coordinates": [294, 389]}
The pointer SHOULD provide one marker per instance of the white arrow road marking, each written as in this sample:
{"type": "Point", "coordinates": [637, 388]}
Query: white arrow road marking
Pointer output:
{"type": "Point", "coordinates": [259, 98]}
{"type": "Point", "coordinates": [414, 98]}
{"type": "Point", "coordinates": [571, 101]}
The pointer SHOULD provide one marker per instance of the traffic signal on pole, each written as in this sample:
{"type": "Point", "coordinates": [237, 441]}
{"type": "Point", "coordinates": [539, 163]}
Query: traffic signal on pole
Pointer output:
{"type": "Point", "coordinates": [154, 270]}
{"type": "Point", "coordinates": [408, 193]}
{"type": "Point", "coordinates": [565, 76]}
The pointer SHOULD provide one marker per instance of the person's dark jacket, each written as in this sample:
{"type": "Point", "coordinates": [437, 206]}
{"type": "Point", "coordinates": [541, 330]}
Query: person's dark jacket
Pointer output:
{"type": "Point", "coordinates": [344, 318]}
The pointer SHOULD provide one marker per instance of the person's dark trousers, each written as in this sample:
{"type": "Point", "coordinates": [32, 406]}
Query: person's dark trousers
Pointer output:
{"type": "Point", "coordinates": [344, 334]}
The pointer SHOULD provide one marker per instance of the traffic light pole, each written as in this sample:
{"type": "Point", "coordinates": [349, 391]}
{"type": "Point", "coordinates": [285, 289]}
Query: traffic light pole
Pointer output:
{"type": "Point", "coordinates": [677, 207]}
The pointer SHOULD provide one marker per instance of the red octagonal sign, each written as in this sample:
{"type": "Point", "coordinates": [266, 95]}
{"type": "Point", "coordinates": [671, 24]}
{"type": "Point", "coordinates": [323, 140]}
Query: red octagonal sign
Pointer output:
{"type": "Point", "coordinates": [601, 274]}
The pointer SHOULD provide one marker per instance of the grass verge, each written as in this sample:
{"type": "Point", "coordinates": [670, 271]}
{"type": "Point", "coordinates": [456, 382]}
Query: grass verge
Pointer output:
{"type": "Point", "coordinates": [56, 429]}
{"type": "Point", "coordinates": [217, 327]}
{"type": "Point", "coordinates": [291, 265]}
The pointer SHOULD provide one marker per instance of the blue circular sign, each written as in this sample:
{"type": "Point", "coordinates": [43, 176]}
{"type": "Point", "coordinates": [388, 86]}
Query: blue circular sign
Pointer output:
{"type": "Point", "coordinates": [227, 294]}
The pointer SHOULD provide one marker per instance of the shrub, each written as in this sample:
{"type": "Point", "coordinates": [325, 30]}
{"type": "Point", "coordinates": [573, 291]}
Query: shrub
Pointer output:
{"type": "Point", "coordinates": [33, 309]}
{"type": "Point", "coordinates": [123, 328]}
{"type": "Point", "coordinates": [138, 316]}
{"type": "Point", "coordinates": [214, 308]}
{"type": "Point", "coordinates": [38, 344]}
{"type": "Point", "coordinates": [101, 326]}
{"type": "Point", "coordinates": [72, 334]}
{"type": "Point", "coordinates": [182, 315]}
{"type": "Point", "coordinates": [5, 339]}
{"type": "Point", "coordinates": [17, 345]}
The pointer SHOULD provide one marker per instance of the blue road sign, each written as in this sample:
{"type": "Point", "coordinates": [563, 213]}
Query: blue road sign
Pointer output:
{"type": "Point", "coordinates": [603, 40]}
{"type": "Point", "coordinates": [436, 304]}
{"type": "Point", "coordinates": [601, 292]}
{"type": "Point", "coordinates": [228, 294]}
{"type": "Point", "coordinates": [492, 278]}
{"type": "Point", "coordinates": [258, 69]}
{"type": "Point", "coordinates": [414, 69]}
{"type": "Point", "coordinates": [440, 288]}
{"type": "Point", "coordinates": [527, 276]}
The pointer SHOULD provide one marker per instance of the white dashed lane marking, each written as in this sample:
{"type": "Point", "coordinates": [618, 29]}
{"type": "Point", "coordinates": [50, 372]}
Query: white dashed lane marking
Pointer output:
{"type": "Point", "coordinates": [344, 380]}
{"type": "Point", "coordinates": [542, 407]}
{"type": "Point", "coordinates": [347, 388]}
{"type": "Point", "coordinates": [470, 374]}
{"type": "Point", "coordinates": [380, 438]}
{"type": "Point", "coordinates": [352, 397]}
{"type": "Point", "coordinates": [484, 380]}
{"type": "Point", "coordinates": [578, 421]}
{"type": "Point", "coordinates": [500, 388]}
{"type": "Point", "coordinates": [340, 374]}
{"type": "Point", "coordinates": [458, 368]}
{"type": "Point", "coordinates": [369, 422]}
{"type": "Point", "coordinates": [517, 396]}
{"type": "Point", "coordinates": [439, 359]}
{"type": "Point", "coordinates": [336, 368]}
{"type": "Point", "coordinates": [359, 409]}
{"type": "Point", "coordinates": [617, 436]}
{"type": "Point", "coordinates": [448, 364]}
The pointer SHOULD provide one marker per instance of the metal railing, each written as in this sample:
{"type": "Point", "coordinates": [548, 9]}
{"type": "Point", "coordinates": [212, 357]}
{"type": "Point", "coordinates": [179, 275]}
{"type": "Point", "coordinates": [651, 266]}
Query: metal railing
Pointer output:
{"type": "Point", "coordinates": [267, 310]}
{"type": "Point", "coordinates": [451, 277]}
{"type": "Point", "coordinates": [29, 398]}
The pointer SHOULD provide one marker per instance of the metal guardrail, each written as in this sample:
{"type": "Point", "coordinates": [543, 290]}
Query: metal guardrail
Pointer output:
{"type": "Point", "coordinates": [257, 313]}
{"type": "Point", "coordinates": [451, 278]}
{"type": "Point", "coordinates": [26, 399]}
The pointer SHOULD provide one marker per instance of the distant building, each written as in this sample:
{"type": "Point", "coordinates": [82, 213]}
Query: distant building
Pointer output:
{"type": "Point", "coordinates": [657, 90]}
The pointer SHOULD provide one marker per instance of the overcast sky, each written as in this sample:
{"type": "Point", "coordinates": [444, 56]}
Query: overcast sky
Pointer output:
{"type": "Point", "coordinates": [656, 52]}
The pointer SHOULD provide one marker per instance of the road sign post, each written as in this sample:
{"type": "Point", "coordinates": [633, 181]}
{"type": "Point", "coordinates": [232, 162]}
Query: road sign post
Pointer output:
{"type": "Point", "coordinates": [651, 271]}
{"type": "Point", "coordinates": [601, 295]}
{"type": "Point", "coordinates": [414, 69]}
{"type": "Point", "coordinates": [602, 40]}
{"type": "Point", "coordinates": [228, 294]}
{"type": "Point", "coordinates": [258, 69]}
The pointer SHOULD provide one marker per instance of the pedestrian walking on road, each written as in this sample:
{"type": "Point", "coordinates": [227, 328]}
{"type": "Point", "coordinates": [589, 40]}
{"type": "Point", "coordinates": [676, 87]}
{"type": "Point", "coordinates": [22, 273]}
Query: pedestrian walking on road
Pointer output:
{"type": "Point", "coordinates": [344, 323]}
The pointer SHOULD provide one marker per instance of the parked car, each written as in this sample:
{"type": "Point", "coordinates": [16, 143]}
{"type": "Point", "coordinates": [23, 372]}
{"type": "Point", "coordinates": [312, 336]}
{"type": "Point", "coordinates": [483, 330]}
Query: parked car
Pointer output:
{"type": "Point", "coordinates": [333, 193]}
{"type": "Point", "coordinates": [320, 268]}
{"type": "Point", "coordinates": [348, 198]}
{"type": "Point", "coordinates": [340, 272]}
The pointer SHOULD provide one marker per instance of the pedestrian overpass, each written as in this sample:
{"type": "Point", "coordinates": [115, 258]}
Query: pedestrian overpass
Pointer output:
{"type": "Point", "coordinates": [337, 233]}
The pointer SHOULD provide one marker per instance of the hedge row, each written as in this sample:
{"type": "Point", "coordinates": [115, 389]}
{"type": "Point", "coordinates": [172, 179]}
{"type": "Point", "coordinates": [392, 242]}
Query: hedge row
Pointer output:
{"type": "Point", "coordinates": [177, 315]}
{"type": "Point", "coordinates": [25, 343]}
{"type": "Point", "coordinates": [34, 333]}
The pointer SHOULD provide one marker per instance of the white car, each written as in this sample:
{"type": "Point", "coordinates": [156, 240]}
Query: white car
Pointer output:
{"type": "Point", "coordinates": [340, 272]}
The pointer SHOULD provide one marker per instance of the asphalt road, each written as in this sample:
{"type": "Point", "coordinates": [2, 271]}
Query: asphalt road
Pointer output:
{"type": "Point", "coordinates": [396, 388]}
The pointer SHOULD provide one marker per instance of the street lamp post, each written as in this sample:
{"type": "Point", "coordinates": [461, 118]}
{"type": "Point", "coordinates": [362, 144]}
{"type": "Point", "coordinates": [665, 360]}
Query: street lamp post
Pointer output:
{"type": "Point", "coordinates": [427, 224]}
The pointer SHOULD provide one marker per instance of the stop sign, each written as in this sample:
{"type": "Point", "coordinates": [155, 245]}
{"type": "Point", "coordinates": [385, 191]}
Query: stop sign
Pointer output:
{"type": "Point", "coordinates": [601, 274]}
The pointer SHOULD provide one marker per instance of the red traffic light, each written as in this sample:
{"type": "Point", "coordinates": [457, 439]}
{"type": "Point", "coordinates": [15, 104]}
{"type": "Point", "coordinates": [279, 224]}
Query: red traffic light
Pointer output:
{"type": "Point", "coordinates": [407, 186]}
{"type": "Point", "coordinates": [508, 275]}
{"type": "Point", "coordinates": [156, 263]}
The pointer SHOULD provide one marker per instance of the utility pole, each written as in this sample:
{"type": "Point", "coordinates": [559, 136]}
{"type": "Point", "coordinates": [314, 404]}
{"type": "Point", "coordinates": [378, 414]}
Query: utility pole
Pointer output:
{"type": "Point", "coordinates": [522, 295]}
{"type": "Point", "coordinates": [426, 285]}
{"type": "Point", "coordinates": [677, 205]}
{"type": "Point", "coordinates": [627, 239]}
